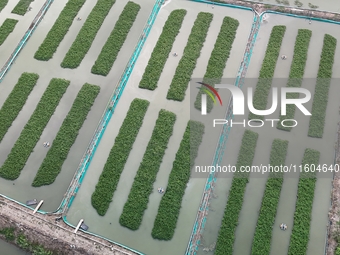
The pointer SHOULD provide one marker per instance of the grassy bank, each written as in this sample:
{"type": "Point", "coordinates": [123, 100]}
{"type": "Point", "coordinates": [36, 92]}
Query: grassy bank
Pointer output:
{"type": "Point", "coordinates": [226, 235]}
{"type": "Point", "coordinates": [67, 134]}
{"type": "Point", "coordinates": [32, 131]}
{"type": "Point", "coordinates": [87, 33]}
{"type": "Point", "coordinates": [297, 69]}
{"type": "Point", "coordinates": [170, 206]}
{"type": "Point", "coordinates": [58, 30]}
{"type": "Point", "coordinates": [6, 28]}
{"type": "Point", "coordinates": [108, 180]}
{"type": "Point", "coordinates": [192, 51]}
{"type": "Point", "coordinates": [142, 187]}
{"type": "Point", "coordinates": [114, 43]}
{"type": "Point", "coordinates": [263, 233]}
{"type": "Point", "coordinates": [16, 100]}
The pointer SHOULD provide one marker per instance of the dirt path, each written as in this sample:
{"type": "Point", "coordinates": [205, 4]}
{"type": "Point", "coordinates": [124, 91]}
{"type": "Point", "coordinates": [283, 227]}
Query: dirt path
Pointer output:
{"type": "Point", "coordinates": [333, 228]}
{"type": "Point", "coordinates": [53, 235]}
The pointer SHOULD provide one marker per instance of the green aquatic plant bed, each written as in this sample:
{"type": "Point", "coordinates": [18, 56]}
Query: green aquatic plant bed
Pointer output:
{"type": "Point", "coordinates": [162, 50]}
{"type": "Point", "coordinates": [264, 83]}
{"type": "Point", "coordinates": [304, 204]}
{"type": "Point", "coordinates": [170, 206]}
{"type": "Point", "coordinates": [3, 3]}
{"type": "Point", "coordinates": [67, 134]}
{"type": "Point", "coordinates": [270, 200]}
{"type": "Point", "coordinates": [21, 7]}
{"type": "Point", "coordinates": [226, 235]}
{"type": "Point", "coordinates": [6, 28]}
{"type": "Point", "coordinates": [31, 133]}
{"type": "Point", "coordinates": [218, 58]}
{"type": "Point", "coordinates": [192, 51]}
{"type": "Point", "coordinates": [142, 187]}
{"type": "Point", "coordinates": [297, 70]}
{"type": "Point", "coordinates": [114, 43]}
{"type": "Point", "coordinates": [16, 100]}
{"type": "Point", "coordinates": [59, 30]}
{"type": "Point", "coordinates": [108, 180]}
{"type": "Point", "coordinates": [87, 33]}
{"type": "Point", "coordinates": [320, 100]}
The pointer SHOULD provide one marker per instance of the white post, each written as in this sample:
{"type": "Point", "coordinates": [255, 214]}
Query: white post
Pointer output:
{"type": "Point", "coordinates": [78, 226]}
{"type": "Point", "coordinates": [38, 206]}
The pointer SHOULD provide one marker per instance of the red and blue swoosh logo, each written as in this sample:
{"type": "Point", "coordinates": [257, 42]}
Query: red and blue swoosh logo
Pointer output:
{"type": "Point", "coordinates": [211, 91]}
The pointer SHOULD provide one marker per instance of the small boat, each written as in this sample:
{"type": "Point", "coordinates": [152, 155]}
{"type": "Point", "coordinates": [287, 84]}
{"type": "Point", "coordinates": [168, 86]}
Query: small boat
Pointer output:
{"type": "Point", "coordinates": [31, 202]}
{"type": "Point", "coordinates": [84, 227]}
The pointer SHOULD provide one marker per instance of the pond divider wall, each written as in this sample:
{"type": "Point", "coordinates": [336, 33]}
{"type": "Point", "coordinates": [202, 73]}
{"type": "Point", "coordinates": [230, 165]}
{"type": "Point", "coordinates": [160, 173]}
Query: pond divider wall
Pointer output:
{"type": "Point", "coordinates": [90, 151]}
{"type": "Point", "coordinates": [201, 218]}
{"type": "Point", "coordinates": [198, 228]}
{"type": "Point", "coordinates": [25, 38]}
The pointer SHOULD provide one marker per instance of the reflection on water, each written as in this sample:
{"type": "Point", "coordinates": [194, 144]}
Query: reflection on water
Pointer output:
{"type": "Point", "coordinates": [7, 249]}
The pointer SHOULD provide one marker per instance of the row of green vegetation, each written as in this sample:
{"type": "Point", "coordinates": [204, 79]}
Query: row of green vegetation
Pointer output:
{"type": "Point", "coordinates": [32, 131]}
{"type": "Point", "coordinates": [226, 235]}
{"type": "Point", "coordinates": [170, 206]}
{"type": "Point", "coordinates": [303, 208]}
{"type": "Point", "coordinates": [6, 28]}
{"type": "Point", "coordinates": [108, 180]}
{"type": "Point", "coordinates": [3, 3]}
{"type": "Point", "coordinates": [192, 51]}
{"type": "Point", "coordinates": [317, 120]}
{"type": "Point", "coordinates": [264, 83]}
{"type": "Point", "coordinates": [67, 134]}
{"type": "Point", "coordinates": [297, 70]}
{"type": "Point", "coordinates": [162, 50]}
{"type": "Point", "coordinates": [218, 58]}
{"type": "Point", "coordinates": [21, 7]}
{"type": "Point", "coordinates": [142, 187]}
{"type": "Point", "coordinates": [16, 100]}
{"type": "Point", "coordinates": [87, 33]}
{"type": "Point", "coordinates": [59, 30]}
{"type": "Point", "coordinates": [114, 43]}
{"type": "Point", "coordinates": [21, 240]}
{"type": "Point", "coordinates": [270, 200]}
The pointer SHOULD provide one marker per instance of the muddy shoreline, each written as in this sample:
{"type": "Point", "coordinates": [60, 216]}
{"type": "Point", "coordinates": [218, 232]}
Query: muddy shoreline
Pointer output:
{"type": "Point", "coordinates": [55, 236]}
{"type": "Point", "coordinates": [260, 8]}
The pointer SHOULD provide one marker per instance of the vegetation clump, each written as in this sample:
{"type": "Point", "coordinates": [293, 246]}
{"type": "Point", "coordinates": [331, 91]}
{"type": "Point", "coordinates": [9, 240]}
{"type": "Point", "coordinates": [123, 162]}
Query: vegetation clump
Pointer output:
{"type": "Point", "coordinates": [67, 134]}
{"type": "Point", "coordinates": [142, 187]}
{"type": "Point", "coordinates": [264, 83]}
{"type": "Point", "coordinates": [32, 131]}
{"type": "Point", "coordinates": [108, 180]}
{"type": "Point", "coordinates": [270, 200]}
{"type": "Point", "coordinates": [87, 33]}
{"type": "Point", "coordinates": [320, 100]}
{"type": "Point", "coordinates": [226, 235]}
{"type": "Point", "coordinates": [6, 28]}
{"type": "Point", "coordinates": [16, 101]}
{"type": "Point", "coordinates": [22, 7]}
{"type": "Point", "coordinates": [192, 51]}
{"type": "Point", "coordinates": [114, 43]}
{"type": "Point", "coordinates": [170, 206]}
{"type": "Point", "coordinates": [162, 50]}
{"type": "Point", "coordinates": [304, 204]}
{"type": "Point", "coordinates": [218, 58]}
{"type": "Point", "coordinates": [297, 70]}
{"type": "Point", "coordinates": [59, 30]}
